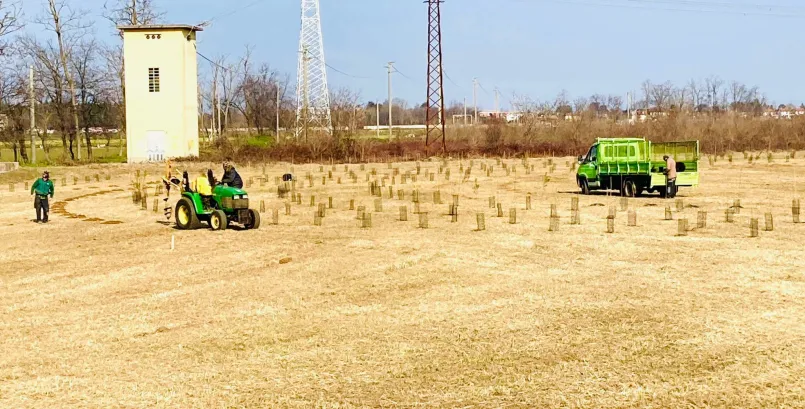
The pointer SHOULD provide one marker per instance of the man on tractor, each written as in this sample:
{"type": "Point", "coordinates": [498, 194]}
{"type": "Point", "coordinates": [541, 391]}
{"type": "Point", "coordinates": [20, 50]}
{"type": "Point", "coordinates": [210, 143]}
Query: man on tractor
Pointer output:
{"type": "Point", "coordinates": [231, 177]}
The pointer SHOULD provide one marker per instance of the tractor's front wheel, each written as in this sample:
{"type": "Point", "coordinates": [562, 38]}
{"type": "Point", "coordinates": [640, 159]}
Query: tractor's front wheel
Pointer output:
{"type": "Point", "coordinates": [218, 220]}
{"type": "Point", "coordinates": [186, 217]}
{"type": "Point", "coordinates": [254, 220]}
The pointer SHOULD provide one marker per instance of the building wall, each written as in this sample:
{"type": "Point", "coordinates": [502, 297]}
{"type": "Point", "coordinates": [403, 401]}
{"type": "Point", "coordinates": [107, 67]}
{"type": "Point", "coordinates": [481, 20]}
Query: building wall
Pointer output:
{"type": "Point", "coordinates": [174, 109]}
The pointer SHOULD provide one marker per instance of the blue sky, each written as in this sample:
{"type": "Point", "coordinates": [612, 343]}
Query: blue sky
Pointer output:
{"type": "Point", "coordinates": [531, 47]}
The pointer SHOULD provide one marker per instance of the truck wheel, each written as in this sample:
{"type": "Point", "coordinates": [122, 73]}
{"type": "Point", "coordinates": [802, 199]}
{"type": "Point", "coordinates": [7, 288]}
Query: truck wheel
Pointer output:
{"type": "Point", "coordinates": [585, 187]}
{"type": "Point", "coordinates": [255, 220]}
{"type": "Point", "coordinates": [628, 189]}
{"type": "Point", "coordinates": [218, 220]}
{"type": "Point", "coordinates": [186, 217]}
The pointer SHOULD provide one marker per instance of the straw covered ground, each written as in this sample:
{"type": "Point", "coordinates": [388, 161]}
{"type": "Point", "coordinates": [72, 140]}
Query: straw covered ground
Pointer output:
{"type": "Point", "coordinates": [98, 311]}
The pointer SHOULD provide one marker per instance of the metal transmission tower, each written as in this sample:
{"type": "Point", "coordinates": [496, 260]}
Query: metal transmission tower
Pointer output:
{"type": "Point", "coordinates": [434, 112]}
{"type": "Point", "coordinates": [312, 94]}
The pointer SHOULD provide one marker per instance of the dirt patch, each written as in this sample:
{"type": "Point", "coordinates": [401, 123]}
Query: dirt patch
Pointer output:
{"type": "Point", "coordinates": [60, 207]}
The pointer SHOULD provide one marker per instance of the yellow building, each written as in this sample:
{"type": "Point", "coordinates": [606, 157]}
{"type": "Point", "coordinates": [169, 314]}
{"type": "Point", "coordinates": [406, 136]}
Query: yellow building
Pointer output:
{"type": "Point", "coordinates": [161, 91]}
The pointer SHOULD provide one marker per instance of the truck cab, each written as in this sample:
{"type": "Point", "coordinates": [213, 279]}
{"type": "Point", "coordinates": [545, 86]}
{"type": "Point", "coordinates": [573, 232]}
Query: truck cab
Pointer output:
{"type": "Point", "coordinates": [634, 165]}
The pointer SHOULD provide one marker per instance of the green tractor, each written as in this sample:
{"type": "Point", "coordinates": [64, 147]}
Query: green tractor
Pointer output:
{"type": "Point", "coordinates": [218, 206]}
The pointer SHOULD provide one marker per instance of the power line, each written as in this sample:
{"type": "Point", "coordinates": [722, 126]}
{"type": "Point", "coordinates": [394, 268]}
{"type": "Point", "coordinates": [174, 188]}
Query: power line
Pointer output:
{"type": "Point", "coordinates": [725, 4]}
{"type": "Point", "coordinates": [404, 76]}
{"type": "Point", "coordinates": [339, 71]}
{"type": "Point", "coordinates": [651, 5]}
{"type": "Point", "coordinates": [231, 12]}
{"type": "Point", "coordinates": [483, 89]}
{"type": "Point", "coordinates": [451, 80]}
{"type": "Point", "coordinates": [213, 62]}
{"type": "Point", "coordinates": [328, 66]}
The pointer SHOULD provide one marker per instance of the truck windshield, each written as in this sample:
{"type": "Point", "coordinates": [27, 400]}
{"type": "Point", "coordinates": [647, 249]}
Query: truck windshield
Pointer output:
{"type": "Point", "coordinates": [591, 154]}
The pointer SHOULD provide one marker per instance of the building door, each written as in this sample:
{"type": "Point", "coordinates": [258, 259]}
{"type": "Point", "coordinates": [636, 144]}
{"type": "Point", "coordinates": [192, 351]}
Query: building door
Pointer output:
{"type": "Point", "coordinates": [156, 145]}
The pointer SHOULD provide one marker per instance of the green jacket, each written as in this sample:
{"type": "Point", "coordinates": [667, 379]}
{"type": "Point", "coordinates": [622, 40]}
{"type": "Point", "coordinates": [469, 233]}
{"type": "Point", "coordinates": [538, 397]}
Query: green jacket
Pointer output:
{"type": "Point", "coordinates": [42, 188]}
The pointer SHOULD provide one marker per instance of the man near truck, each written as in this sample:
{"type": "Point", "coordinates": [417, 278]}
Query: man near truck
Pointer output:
{"type": "Point", "coordinates": [670, 174]}
{"type": "Point", "coordinates": [42, 188]}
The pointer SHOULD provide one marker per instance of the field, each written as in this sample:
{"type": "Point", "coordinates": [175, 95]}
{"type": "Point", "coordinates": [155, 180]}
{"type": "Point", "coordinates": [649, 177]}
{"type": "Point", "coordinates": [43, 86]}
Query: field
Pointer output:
{"type": "Point", "coordinates": [99, 311]}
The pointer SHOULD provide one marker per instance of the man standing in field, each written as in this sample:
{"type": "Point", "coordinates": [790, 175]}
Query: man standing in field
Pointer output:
{"type": "Point", "coordinates": [670, 174]}
{"type": "Point", "coordinates": [42, 188]}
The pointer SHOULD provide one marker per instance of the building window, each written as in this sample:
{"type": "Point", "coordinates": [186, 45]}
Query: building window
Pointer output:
{"type": "Point", "coordinates": [153, 80]}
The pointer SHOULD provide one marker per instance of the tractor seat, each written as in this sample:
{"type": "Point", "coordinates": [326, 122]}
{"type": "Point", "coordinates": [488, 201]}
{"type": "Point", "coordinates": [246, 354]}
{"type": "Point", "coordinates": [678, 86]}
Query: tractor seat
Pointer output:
{"type": "Point", "coordinates": [202, 186]}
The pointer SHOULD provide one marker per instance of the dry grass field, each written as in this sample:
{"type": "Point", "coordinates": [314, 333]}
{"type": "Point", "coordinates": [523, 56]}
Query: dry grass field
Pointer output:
{"type": "Point", "coordinates": [105, 315]}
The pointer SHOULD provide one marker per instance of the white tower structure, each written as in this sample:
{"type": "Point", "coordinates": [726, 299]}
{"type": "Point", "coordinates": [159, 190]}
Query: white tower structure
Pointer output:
{"type": "Point", "coordinates": [312, 93]}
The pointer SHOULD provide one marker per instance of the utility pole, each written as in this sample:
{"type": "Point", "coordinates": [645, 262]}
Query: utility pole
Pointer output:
{"type": "Point", "coordinates": [218, 103]}
{"type": "Point", "coordinates": [377, 106]}
{"type": "Point", "coordinates": [629, 105]}
{"type": "Point", "coordinates": [305, 95]}
{"type": "Point", "coordinates": [213, 100]}
{"type": "Point", "coordinates": [497, 101]}
{"type": "Point", "coordinates": [475, 99]}
{"type": "Point", "coordinates": [32, 103]}
{"type": "Point", "coordinates": [278, 113]}
{"type": "Point", "coordinates": [465, 111]}
{"type": "Point", "coordinates": [391, 104]}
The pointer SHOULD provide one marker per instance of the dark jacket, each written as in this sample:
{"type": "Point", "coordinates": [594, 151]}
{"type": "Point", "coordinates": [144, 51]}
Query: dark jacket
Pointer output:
{"type": "Point", "coordinates": [42, 187]}
{"type": "Point", "coordinates": [232, 178]}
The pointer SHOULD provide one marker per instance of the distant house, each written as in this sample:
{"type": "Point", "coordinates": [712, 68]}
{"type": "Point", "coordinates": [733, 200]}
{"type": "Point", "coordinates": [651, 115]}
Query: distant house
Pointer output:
{"type": "Point", "coordinates": [507, 116]}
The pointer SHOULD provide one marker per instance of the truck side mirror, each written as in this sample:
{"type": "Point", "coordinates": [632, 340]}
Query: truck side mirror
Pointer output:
{"type": "Point", "coordinates": [581, 159]}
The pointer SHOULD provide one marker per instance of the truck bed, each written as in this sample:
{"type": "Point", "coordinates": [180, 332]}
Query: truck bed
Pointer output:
{"type": "Point", "coordinates": [625, 168]}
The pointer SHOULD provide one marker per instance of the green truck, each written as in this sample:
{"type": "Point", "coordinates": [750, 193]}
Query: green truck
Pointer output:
{"type": "Point", "coordinates": [634, 166]}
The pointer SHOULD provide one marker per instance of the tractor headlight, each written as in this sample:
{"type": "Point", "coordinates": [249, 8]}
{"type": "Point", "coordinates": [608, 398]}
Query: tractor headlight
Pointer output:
{"type": "Point", "coordinates": [244, 196]}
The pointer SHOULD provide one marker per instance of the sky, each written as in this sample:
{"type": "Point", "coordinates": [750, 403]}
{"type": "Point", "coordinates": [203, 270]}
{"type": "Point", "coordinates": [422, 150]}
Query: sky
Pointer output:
{"type": "Point", "coordinates": [522, 47]}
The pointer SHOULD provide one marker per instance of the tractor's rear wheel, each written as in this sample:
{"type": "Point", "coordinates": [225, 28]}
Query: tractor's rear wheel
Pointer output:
{"type": "Point", "coordinates": [254, 220]}
{"type": "Point", "coordinates": [186, 217]}
{"type": "Point", "coordinates": [218, 220]}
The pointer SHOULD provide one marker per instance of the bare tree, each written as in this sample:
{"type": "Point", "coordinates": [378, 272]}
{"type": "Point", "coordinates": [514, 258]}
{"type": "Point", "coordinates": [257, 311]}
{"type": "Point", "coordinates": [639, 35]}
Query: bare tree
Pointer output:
{"type": "Point", "coordinates": [561, 103]}
{"type": "Point", "coordinates": [255, 93]}
{"type": "Point", "coordinates": [615, 105]}
{"type": "Point", "coordinates": [44, 57]}
{"type": "Point", "coordinates": [679, 97]}
{"type": "Point", "coordinates": [646, 87]}
{"type": "Point", "coordinates": [89, 85]}
{"type": "Point", "coordinates": [598, 104]}
{"type": "Point", "coordinates": [66, 24]}
{"type": "Point", "coordinates": [344, 107]}
{"type": "Point", "coordinates": [115, 75]}
{"type": "Point", "coordinates": [661, 95]}
{"type": "Point", "coordinates": [713, 87]}
{"type": "Point", "coordinates": [132, 12]}
{"type": "Point", "coordinates": [229, 77]}
{"type": "Point", "coordinates": [13, 96]}
{"type": "Point", "coordinates": [10, 21]}
{"type": "Point", "coordinates": [695, 92]}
